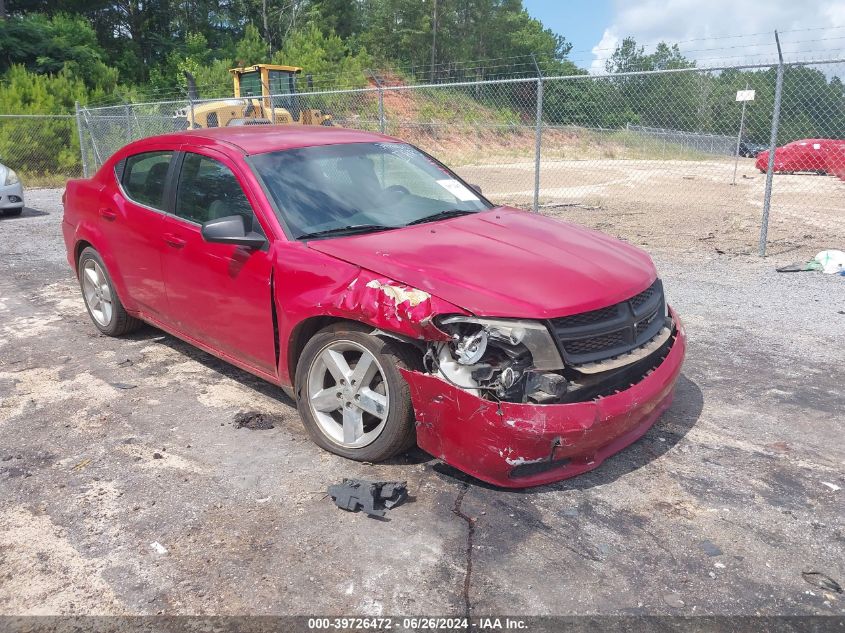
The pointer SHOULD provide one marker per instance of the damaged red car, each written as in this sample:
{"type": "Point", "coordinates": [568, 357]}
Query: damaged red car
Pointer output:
{"type": "Point", "coordinates": [391, 299]}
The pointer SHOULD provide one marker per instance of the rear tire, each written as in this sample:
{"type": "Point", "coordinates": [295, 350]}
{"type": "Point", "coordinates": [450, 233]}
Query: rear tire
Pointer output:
{"type": "Point", "coordinates": [380, 422]}
{"type": "Point", "coordinates": [100, 296]}
{"type": "Point", "coordinates": [11, 213]}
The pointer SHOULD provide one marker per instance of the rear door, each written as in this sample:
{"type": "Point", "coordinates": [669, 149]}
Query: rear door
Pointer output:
{"type": "Point", "coordinates": [219, 294]}
{"type": "Point", "coordinates": [132, 219]}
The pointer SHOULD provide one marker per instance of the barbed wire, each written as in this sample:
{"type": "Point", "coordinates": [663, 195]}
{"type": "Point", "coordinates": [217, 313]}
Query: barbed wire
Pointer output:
{"type": "Point", "coordinates": [716, 38]}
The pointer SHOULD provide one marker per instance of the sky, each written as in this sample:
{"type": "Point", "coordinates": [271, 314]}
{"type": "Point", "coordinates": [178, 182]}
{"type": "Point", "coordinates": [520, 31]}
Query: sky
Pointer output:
{"type": "Point", "coordinates": [713, 32]}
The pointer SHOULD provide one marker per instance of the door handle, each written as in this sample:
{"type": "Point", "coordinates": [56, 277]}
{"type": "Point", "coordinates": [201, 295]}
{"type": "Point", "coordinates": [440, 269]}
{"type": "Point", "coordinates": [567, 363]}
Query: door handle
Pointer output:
{"type": "Point", "coordinates": [108, 214]}
{"type": "Point", "coordinates": [172, 240]}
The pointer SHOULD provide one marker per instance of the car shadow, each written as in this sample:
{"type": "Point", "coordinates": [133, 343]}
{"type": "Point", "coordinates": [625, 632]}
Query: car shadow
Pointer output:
{"type": "Point", "coordinates": [672, 426]}
{"type": "Point", "coordinates": [27, 212]}
{"type": "Point", "coordinates": [669, 429]}
{"type": "Point", "coordinates": [148, 333]}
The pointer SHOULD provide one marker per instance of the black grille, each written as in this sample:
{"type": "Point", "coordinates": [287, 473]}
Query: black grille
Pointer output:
{"type": "Point", "coordinates": [595, 343]}
{"type": "Point", "coordinates": [641, 299]}
{"type": "Point", "coordinates": [643, 325]}
{"type": "Point", "coordinates": [611, 331]}
{"type": "Point", "coordinates": [586, 318]}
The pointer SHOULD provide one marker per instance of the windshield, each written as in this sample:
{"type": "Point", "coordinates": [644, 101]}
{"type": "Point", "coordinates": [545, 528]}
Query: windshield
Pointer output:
{"type": "Point", "coordinates": [326, 190]}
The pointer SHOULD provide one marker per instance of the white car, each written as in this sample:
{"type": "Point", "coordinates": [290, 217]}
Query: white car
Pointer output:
{"type": "Point", "coordinates": [11, 192]}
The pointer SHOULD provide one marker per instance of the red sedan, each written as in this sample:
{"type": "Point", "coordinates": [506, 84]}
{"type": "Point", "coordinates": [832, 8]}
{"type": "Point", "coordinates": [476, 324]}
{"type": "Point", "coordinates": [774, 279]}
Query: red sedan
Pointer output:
{"type": "Point", "coordinates": [391, 299]}
{"type": "Point", "coordinates": [818, 155]}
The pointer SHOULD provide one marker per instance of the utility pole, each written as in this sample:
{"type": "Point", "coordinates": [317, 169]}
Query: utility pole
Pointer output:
{"type": "Point", "coordinates": [433, 40]}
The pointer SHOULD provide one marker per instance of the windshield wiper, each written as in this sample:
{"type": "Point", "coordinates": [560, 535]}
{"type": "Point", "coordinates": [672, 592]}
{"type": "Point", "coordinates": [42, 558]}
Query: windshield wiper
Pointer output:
{"type": "Point", "coordinates": [440, 215]}
{"type": "Point", "coordinates": [351, 229]}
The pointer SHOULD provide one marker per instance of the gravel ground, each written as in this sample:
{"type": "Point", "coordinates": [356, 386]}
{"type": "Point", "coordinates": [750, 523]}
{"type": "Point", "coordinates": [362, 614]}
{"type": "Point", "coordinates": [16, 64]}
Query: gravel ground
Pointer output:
{"type": "Point", "coordinates": [126, 488]}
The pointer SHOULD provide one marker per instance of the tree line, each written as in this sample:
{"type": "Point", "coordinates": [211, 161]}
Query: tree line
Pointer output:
{"type": "Point", "coordinates": [94, 51]}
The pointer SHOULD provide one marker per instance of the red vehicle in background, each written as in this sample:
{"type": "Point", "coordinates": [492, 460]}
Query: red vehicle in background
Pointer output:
{"type": "Point", "coordinates": [818, 155]}
{"type": "Point", "coordinates": [836, 161]}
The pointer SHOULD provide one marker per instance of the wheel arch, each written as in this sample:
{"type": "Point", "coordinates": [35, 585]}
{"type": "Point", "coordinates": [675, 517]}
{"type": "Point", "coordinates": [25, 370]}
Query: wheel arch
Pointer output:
{"type": "Point", "coordinates": [111, 268]}
{"type": "Point", "coordinates": [80, 246]}
{"type": "Point", "coordinates": [303, 332]}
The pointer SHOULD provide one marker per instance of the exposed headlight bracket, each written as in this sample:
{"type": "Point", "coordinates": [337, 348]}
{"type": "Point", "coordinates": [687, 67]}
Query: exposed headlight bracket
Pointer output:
{"type": "Point", "coordinates": [533, 335]}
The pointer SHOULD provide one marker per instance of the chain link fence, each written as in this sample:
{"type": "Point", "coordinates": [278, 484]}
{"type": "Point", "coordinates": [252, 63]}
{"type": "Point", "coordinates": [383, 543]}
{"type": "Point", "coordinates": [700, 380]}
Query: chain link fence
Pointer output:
{"type": "Point", "coordinates": [663, 157]}
{"type": "Point", "coordinates": [43, 149]}
{"type": "Point", "coordinates": [715, 144]}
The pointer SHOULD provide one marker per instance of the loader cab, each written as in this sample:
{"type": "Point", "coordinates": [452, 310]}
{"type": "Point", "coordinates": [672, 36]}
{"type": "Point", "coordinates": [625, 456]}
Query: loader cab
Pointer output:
{"type": "Point", "coordinates": [273, 87]}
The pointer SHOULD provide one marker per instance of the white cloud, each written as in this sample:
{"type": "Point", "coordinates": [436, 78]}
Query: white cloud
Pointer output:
{"type": "Point", "coordinates": [712, 24]}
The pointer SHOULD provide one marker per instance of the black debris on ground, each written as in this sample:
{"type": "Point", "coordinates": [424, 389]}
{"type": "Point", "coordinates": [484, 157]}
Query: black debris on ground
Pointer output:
{"type": "Point", "coordinates": [710, 548]}
{"type": "Point", "coordinates": [822, 581]}
{"type": "Point", "coordinates": [254, 421]}
{"type": "Point", "coordinates": [371, 497]}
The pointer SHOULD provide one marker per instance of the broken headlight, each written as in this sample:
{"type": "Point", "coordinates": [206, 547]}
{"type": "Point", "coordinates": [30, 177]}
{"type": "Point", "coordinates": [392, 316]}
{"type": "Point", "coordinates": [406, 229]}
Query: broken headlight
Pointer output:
{"type": "Point", "coordinates": [471, 336]}
{"type": "Point", "coordinates": [494, 355]}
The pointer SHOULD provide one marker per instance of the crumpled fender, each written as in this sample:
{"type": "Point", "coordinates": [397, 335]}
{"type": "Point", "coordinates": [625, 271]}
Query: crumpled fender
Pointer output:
{"type": "Point", "coordinates": [309, 284]}
{"type": "Point", "coordinates": [392, 306]}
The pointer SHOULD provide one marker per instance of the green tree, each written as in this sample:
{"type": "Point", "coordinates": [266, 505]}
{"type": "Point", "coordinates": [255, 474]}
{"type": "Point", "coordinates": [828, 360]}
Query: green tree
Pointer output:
{"type": "Point", "coordinates": [48, 45]}
{"type": "Point", "coordinates": [323, 56]}
{"type": "Point", "coordinates": [40, 146]}
{"type": "Point", "coordinates": [251, 49]}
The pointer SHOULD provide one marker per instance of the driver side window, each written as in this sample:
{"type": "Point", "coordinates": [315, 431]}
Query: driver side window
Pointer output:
{"type": "Point", "coordinates": [208, 190]}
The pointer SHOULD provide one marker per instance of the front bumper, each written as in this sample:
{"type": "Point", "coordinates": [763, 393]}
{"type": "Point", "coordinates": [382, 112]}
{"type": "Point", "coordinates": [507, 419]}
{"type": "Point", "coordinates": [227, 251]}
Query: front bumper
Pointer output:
{"type": "Point", "coordinates": [517, 445]}
{"type": "Point", "coordinates": [11, 196]}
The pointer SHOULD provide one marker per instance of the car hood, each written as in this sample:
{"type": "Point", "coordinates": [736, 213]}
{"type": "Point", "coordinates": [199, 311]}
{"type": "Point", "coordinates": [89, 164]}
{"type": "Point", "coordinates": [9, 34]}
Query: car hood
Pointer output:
{"type": "Point", "coordinates": [503, 262]}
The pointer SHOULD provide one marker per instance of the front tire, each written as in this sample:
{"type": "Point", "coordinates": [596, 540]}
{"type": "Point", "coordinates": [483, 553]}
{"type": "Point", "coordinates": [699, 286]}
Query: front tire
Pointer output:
{"type": "Point", "coordinates": [11, 213]}
{"type": "Point", "coordinates": [101, 300]}
{"type": "Point", "coordinates": [351, 397]}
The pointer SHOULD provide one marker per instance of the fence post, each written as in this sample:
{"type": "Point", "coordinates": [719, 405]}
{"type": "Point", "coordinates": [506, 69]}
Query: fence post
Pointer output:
{"type": "Point", "coordinates": [770, 170]}
{"type": "Point", "coordinates": [129, 136]}
{"type": "Point", "coordinates": [739, 137]}
{"type": "Point", "coordinates": [81, 141]}
{"type": "Point", "coordinates": [538, 136]}
{"type": "Point", "coordinates": [193, 120]}
{"type": "Point", "coordinates": [381, 121]}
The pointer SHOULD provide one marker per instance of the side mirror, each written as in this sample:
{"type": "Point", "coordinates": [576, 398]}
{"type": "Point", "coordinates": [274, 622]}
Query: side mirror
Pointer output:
{"type": "Point", "coordinates": [476, 188]}
{"type": "Point", "coordinates": [231, 230]}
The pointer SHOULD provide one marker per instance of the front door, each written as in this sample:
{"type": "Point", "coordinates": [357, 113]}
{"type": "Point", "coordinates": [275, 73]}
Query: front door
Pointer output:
{"type": "Point", "coordinates": [219, 294]}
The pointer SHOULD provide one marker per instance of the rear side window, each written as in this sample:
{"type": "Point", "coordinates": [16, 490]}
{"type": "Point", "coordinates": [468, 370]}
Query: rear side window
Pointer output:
{"type": "Point", "coordinates": [208, 190]}
{"type": "Point", "coordinates": [144, 177]}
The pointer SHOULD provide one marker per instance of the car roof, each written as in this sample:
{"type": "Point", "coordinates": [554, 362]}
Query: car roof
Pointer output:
{"type": "Point", "coordinates": [259, 139]}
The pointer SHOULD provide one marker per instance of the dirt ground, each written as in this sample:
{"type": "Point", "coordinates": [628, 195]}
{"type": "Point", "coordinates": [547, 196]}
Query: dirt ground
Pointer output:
{"type": "Point", "coordinates": [126, 488]}
{"type": "Point", "coordinates": [679, 205]}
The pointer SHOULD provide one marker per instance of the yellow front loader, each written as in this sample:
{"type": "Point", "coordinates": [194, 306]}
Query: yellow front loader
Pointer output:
{"type": "Point", "coordinates": [264, 93]}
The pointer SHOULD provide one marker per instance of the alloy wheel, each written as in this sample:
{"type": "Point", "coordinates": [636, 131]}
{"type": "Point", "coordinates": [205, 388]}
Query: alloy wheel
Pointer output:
{"type": "Point", "coordinates": [97, 293]}
{"type": "Point", "coordinates": [348, 394]}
